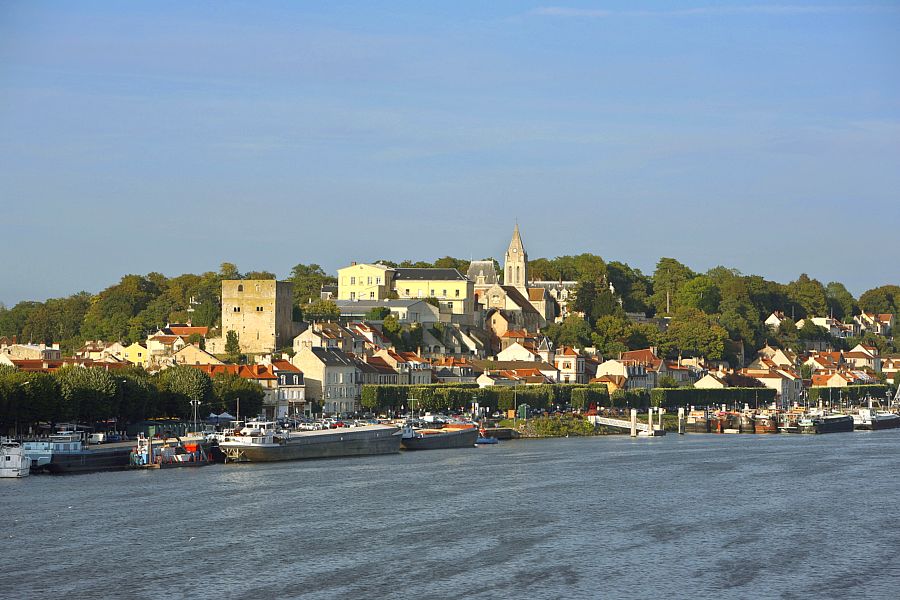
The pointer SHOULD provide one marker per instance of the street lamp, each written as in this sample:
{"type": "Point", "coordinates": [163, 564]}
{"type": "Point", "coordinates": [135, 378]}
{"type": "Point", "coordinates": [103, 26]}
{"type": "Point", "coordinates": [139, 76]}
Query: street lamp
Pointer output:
{"type": "Point", "coordinates": [195, 404]}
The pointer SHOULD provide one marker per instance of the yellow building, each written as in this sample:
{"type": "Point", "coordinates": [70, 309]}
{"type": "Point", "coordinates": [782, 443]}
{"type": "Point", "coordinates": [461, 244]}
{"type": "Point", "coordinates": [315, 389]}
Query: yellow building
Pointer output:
{"type": "Point", "coordinates": [449, 287]}
{"type": "Point", "coordinates": [365, 282]}
{"type": "Point", "coordinates": [137, 354]}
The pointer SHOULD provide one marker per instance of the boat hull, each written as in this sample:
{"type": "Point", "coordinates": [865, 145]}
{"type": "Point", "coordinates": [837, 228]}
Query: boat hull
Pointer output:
{"type": "Point", "coordinates": [362, 441]}
{"type": "Point", "coordinates": [90, 461]}
{"type": "Point", "coordinates": [461, 438]}
{"type": "Point", "coordinates": [830, 425]}
{"type": "Point", "coordinates": [885, 423]}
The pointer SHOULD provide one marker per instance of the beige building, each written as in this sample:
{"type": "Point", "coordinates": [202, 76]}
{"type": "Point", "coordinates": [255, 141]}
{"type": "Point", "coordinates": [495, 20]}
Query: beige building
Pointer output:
{"type": "Point", "coordinates": [260, 312]}
{"type": "Point", "coordinates": [332, 378]}
{"type": "Point", "coordinates": [192, 354]}
{"type": "Point", "coordinates": [366, 282]}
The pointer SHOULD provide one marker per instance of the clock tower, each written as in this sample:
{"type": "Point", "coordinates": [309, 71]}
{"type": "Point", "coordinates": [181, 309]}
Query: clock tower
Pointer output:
{"type": "Point", "coordinates": [515, 265]}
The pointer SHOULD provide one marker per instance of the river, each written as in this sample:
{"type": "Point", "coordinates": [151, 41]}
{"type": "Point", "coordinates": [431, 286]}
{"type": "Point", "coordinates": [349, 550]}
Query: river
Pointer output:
{"type": "Point", "coordinates": [699, 516]}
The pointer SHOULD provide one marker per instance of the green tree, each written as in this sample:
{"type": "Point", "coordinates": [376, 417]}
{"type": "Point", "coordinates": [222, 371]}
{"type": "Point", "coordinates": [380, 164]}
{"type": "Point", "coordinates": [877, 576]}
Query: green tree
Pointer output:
{"type": "Point", "coordinates": [667, 381]}
{"type": "Point", "coordinates": [694, 333]}
{"type": "Point", "coordinates": [232, 346]}
{"type": "Point", "coordinates": [308, 281]}
{"type": "Point", "coordinates": [668, 278]}
{"type": "Point", "coordinates": [841, 302]}
{"type": "Point", "coordinates": [809, 296]}
{"type": "Point", "coordinates": [573, 331]}
{"type": "Point", "coordinates": [179, 386]}
{"type": "Point", "coordinates": [378, 313]}
{"type": "Point", "coordinates": [321, 310]}
{"type": "Point", "coordinates": [228, 387]}
{"type": "Point", "coordinates": [632, 286]}
{"type": "Point", "coordinates": [88, 394]}
{"type": "Point", "coordinates": [229, 270]}
{"type": "Point", "coordinates": [700, 293]}
{"type": "Point", "coordinates": [884, 299]}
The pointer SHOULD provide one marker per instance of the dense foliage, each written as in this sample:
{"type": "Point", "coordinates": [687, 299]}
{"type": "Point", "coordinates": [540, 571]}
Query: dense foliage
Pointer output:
{"type": "Point", "coordinates": [92, 395]}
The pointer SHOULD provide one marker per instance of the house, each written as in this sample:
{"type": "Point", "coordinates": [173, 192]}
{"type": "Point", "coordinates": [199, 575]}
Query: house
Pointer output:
{"type": "Point", "coordinates": [454, 370]}
{"type": "Point", "coordinates": [518, 351]}
{"type": "Point", "coordinates": [613, 383]}
{"type": "Point", "coordinates": [634, 374]}
{"type": "Point", "coordinates": [774, 320]}
{"type": "Point", "coordinates": [570, 365]}
{"type": "Point", "coordinates": [711, 381]}
{"type": "Point", "coordinates": [374, 370]}
{"type": "Point", "coordinates": [332, 379]}
{"type": "Point", "coordinates": [325, 334]}
{"type": "Point", "coordinates": [33, 351]}
{"type": "Point", "coordinates": [163, 346]}
{"type": "Point", "coordinates": [411, 368]}
{"type": "Point", "coordinates": [137, 354]}
{"type": "Point", "coordinates": [291, 389]}
{"type": "Point", "coordinates": [877, 323]}
{"type": "Point", "coordinates": [192, 354]}
{"type": "Point", "coordinates": [525, 368]}
{"type": "Point", "coordinates": [787, 384]}
{"type": "Point", "coordinates": [863, 357]}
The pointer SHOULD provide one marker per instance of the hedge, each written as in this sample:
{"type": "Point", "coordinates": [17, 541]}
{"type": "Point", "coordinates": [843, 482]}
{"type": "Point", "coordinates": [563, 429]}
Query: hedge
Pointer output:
{"type": "Point", "coordinates": [853, 392]}
{"type": "Point", "coordinates": [683, 397]}
{"type": "Point", "coordinates": [440, 397]}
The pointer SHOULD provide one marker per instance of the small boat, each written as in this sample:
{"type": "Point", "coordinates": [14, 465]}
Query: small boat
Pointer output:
{"type": "Point", "coordinates": [766, 423]}
{"type": "Point", "coordinates": [484, 439]}
{"type": "Point", "coordinates": [167, 455]}
{"type": "Point", "coordinates": [14, 463]}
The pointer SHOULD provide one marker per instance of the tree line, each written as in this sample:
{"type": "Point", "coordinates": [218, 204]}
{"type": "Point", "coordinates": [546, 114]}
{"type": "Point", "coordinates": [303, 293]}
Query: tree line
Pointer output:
{"type": "Point", "coordinates": [130, 395]}
{"type": "Point", "coordinates": [718, 314]}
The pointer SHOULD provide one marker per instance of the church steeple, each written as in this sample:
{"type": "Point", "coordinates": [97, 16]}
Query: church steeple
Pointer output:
{"type": "Point", "coordinates": [515, 266]}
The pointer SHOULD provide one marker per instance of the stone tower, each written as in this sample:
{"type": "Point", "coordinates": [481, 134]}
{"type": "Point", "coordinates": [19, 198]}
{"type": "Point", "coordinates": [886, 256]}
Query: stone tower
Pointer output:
{"type": "Point", "coordinates": [515, 265]}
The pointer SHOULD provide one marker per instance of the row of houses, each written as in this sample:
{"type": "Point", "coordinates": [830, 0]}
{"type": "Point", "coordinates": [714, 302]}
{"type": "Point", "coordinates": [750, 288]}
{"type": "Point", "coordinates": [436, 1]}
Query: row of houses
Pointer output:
{"type": "Point", "coordinates": [881, 324]}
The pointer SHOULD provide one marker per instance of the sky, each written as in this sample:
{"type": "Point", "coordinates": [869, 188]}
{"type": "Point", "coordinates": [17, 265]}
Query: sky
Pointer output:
{"type": "Point", "coordinates": [174, 136]}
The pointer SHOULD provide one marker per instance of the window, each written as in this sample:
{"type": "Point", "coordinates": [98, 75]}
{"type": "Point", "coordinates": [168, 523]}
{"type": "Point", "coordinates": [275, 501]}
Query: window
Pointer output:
{"type": "Point", "coordinates": [237, 309]}
{"type": "Point", "coordinates": [369, 280]}
{"type": "Point", "coordinates": [378, 280]}
{"type": "Point", "coordinates": [457, 293]}
{"type": "Point", "coordinates": [432, 293]}
{"type": "Point", "coordinates": [259, 309]}
{"type": "Point", "coordinates": [353, 281]}
{"type": "Point", "coordinates": [241, 287]}
{"type": "Point", "coordinates": [406, 292]}
{"type": "Point", "coordinates": [444, 293]}
{"type": "Point", "coordinates": [353, 295]}
{"type": "Point", "coordinates": [372, 295]}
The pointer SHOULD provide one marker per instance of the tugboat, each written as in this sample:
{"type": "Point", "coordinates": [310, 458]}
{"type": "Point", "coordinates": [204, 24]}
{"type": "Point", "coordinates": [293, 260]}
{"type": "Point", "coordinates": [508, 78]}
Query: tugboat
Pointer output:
{"type": "Point", "coordinates": [166, 455]}
{"type": "Point", "coordinates": [766, 423]}
{"type": "Point", "coordinates": [13, 461]}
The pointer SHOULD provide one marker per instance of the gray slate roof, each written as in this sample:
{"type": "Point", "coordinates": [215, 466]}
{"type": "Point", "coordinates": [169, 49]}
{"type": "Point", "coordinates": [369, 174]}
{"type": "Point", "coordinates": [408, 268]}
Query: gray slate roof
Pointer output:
{"type": "Point", "coordinates": [424, 274]}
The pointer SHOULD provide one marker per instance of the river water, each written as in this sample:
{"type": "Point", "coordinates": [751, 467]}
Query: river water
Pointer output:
{"type": "Point", "coordinates": [700, 516]}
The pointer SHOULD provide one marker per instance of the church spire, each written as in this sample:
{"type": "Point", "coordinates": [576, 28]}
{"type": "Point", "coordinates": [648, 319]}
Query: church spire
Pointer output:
{"type": "Point", "coordinates": [515, 267]}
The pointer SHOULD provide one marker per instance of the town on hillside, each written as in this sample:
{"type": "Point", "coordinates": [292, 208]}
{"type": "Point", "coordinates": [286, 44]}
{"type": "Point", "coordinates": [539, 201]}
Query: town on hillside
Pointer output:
{"type": "Point", "coordinates": [517, 324]}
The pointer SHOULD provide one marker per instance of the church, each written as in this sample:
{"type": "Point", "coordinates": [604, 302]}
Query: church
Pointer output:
{"type": "Point", "coordinates": [519, 304]}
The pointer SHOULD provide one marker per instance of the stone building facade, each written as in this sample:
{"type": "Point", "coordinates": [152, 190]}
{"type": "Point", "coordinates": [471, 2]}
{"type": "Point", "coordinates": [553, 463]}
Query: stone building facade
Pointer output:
{"type": "Point", "coordinates": [260, 311]}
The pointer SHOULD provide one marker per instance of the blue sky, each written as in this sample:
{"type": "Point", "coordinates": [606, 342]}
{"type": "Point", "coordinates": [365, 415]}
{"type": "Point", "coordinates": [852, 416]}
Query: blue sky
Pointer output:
{"type": "Point", "coordinates": [173, 136]}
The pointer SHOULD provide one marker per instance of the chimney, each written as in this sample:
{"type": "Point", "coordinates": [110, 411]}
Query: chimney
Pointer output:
{"type": "Point", "coordinates": [353, 263]}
